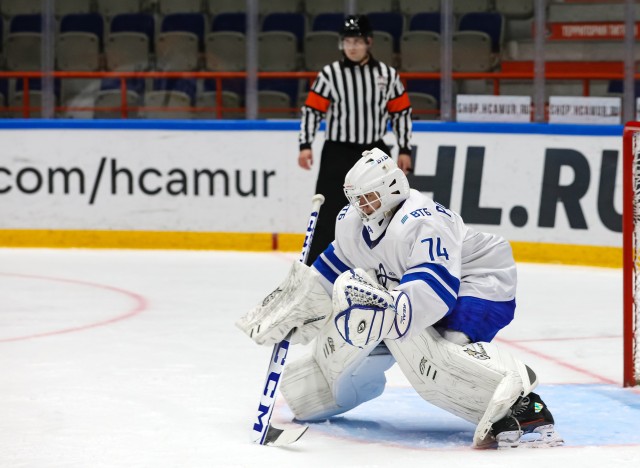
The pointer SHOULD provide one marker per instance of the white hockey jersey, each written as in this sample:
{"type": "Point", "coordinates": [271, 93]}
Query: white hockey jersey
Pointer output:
{"type": "Point", "coordinates": [429, 253]}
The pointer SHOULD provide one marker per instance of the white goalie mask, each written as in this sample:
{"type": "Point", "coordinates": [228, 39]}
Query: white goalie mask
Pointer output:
{"type": "Point", "coordinates": [374, 187]}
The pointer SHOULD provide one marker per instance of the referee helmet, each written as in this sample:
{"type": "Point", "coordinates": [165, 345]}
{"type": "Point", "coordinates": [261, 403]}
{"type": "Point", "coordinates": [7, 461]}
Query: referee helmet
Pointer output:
{"type": "Point", "coordinates": [356, 26]}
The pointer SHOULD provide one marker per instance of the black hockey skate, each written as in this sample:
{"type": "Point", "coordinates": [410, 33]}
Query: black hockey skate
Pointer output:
{"type": "Point", "coordinates": [529, 423]}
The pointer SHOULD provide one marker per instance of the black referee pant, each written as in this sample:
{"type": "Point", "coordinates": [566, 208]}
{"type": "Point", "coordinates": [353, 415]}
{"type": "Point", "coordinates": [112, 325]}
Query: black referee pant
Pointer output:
{"type": "Point", "coordinates": [335, 161]}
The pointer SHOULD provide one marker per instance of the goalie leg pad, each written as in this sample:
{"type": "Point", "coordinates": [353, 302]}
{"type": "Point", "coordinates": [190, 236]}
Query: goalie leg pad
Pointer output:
{"type": "Point", "coordinates": [478, 382]}
{"type": "Point", "coordinates": [336, 378]}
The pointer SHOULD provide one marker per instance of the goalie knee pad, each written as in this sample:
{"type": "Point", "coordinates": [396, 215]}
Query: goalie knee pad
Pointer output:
{"type": "Point", "coordinates": [337, 377]}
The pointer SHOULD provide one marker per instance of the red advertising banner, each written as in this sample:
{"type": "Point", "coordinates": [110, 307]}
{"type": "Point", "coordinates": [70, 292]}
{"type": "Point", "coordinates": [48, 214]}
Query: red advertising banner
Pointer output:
{"type": "Point", "coordinates": [588, 30]}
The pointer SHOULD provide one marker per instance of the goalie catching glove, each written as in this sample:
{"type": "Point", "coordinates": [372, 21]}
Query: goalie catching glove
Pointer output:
{"type": "Point", "coordinates": [365, 312]}
{"type": "Point", "coordinates": [300, 303]}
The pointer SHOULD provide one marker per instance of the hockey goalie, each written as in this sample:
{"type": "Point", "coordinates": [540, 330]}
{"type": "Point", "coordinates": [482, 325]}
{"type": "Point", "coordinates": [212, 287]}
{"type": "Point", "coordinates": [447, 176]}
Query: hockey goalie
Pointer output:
{"type": "Point", "coordinates": [405, 281]}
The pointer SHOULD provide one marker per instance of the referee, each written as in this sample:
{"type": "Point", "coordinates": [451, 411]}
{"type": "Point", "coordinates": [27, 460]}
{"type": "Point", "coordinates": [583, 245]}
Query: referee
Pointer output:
{"type": "Point", "coordinates": [357, 95]}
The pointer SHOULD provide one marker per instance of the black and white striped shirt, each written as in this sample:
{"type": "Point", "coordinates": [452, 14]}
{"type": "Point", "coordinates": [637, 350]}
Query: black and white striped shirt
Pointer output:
{"type": "Point", "coordinates": [358, 101]}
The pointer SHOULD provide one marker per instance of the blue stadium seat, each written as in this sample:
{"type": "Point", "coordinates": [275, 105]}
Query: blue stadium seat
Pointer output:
{"type": "Point", "coordinates": [130, 42]}
{"type": "Point", "coordinates": [489, 23]}
{"type": "Point", "coordinates": [180, 41]}
{"type": "Point", "coordinates": [26, 23]}
{"type": "Point", "coordinates": [328, 22]}
{"type": "Point", "coordinates": [425, 22]}
{"type": "Point", "coordinates": [616, 87]}
{"type": "Point", "coordinates": [231, 22]}
{"type": "Point", "coordinates": [390, 23]}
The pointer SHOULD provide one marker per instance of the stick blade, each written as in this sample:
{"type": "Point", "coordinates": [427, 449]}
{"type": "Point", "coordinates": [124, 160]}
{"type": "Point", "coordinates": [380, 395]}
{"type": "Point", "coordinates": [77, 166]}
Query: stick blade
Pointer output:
{"type": "Point", "coordinates": [279, 437]}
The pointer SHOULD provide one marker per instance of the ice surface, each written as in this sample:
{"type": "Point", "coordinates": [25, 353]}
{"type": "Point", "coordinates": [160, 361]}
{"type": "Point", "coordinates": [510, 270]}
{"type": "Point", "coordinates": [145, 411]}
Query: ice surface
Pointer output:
{"type": "Point", "coordinates": [131, 359]}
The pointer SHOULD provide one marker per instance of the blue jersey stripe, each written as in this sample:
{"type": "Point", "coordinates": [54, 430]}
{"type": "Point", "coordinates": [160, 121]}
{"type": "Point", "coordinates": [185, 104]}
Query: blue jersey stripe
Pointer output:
{"type": "Point", "coordinates": [442, 273]}
{"type": "Point", "coordinates": [333, 258]}
{"type": "Point", "coordinates": [325, 270]}
{"type": "Point", "coordinates": [442, 292]}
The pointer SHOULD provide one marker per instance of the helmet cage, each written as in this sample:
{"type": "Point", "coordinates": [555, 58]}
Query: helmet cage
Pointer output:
{"type": "Point", "coordinates": [375, 188]}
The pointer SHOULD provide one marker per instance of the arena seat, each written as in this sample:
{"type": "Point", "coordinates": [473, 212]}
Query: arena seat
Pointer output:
{"type": "Point", "coordinates": [280, 42]}
{"type": "Point", "coordinates": [130, 42]}
{"type": "Point", "coordinates": [167, 94]}
{"type": "Point", "coordinates": [79, 43]}
{"type": "Point", "coordinates": [321, 44]}
{"type": "Point", "coordinates": [225, 44]}
{"type": "Point", "coordinates": [23, 46]}
{"type": "Point", "coordinates": [169, 7]}
{"type": "Point", "coordinates": [180, 41]}
{"type": "Point", "coordinates": [111, 8]}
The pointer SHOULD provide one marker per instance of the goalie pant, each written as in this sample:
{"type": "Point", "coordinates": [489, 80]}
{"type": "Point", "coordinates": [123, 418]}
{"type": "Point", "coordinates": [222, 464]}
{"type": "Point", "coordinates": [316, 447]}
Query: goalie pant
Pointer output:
{"type": "Point", "coordinates": [478, 382]}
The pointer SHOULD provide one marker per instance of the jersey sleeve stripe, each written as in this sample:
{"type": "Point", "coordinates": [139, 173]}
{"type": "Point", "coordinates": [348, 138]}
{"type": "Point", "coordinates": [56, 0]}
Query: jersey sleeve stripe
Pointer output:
{"type": "Point", "coordinates": [443, 293]}
{"type": "Point", "coordinates": [335, 261]}
{"type": "Point", "coordinates": [442, 273]}
{"type": "Point", "coordinates": [325, 270]}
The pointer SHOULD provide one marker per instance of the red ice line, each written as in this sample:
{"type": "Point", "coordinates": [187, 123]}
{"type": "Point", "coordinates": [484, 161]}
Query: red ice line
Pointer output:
{"type": "Point", "coordinates": [140, 305]}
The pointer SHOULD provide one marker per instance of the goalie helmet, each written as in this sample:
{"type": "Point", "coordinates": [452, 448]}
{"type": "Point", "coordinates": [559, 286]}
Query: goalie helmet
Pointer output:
{"type": "Point", "coordinates": [375, 186]}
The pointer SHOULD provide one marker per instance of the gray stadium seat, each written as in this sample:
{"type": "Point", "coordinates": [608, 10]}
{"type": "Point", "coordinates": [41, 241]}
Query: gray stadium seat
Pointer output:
{"type": "Point", "coordinates": [78, 46]}
{"type": "Point", "coordinates": [129, 43]}
{"type": "Point", "coordinates": [460, 7]}
{"type": "Point", "coordinates": [69, 7]}
{"type": "Point", "coordinates": [178, 44]}
{"type": "Point", "coordinates": [364, 7]}
{"type": "Point", "coordinates": [321, 48]}
{"type": "Point", "coordinates": [23, 45]}
{"type": "Point", "coordinates": [279, 6]}
{"type": "Point", "coordinates": [35, 103]}
{"type": "Point", "coordinates": [420, 51]}
{"type": "Point", "coordinates": [167, 99]}
{"type": "Point", "coordinates": [113, 98]}
{"type": "Point", "coordinates": [423, 102]}
{"type": "Point", "coordinates": [225, 51]}
{"type": "Point", "coordinates": [268, 100]}
{"type": "Point", "coordinates": [168, 7]}
{"type": "Point", "coordinates": [472, 52]}
{"type": "Point", "coordinates": [317, 7]}
{"type": "Point", "coordinates": [10, 8]}
{"type": "Point", "coordinates": [411, 7]}
{"type": "Point", "coordinates": [215, 7]}
{"type": "Point", "coordinates": [515, 8]}
{"type": "Point", "coordinates": [277, 51]}
{"type": "Point", "coordinates": [111, 8]}
{"type": "Point", "coordinates": [382, 48]}
{"type": "Point", "coordinates": [207, 99]}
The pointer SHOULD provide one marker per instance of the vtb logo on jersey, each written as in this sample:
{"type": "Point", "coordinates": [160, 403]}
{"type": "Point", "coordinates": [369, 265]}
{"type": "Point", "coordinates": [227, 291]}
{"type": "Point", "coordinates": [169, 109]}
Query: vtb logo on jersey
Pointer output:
{"type": "Point", "coordinates": [383, 277]}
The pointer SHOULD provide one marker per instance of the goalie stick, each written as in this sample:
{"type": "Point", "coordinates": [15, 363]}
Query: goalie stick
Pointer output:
{"type": "Point", "coordinates": [263, 432]}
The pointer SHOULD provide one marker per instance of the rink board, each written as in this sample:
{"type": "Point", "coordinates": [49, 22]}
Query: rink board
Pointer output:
{"type": "Point", "coordinates": [553, 190]}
